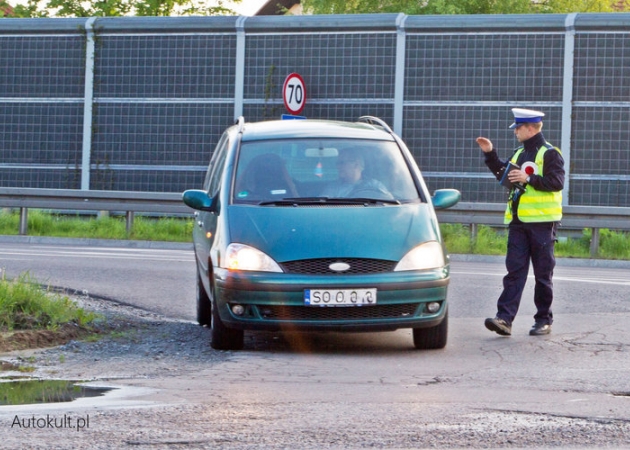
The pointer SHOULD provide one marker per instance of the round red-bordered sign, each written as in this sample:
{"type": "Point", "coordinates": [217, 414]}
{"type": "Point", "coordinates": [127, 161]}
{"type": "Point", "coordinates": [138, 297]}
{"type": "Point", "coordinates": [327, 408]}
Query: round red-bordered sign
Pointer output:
{"type": "Point", "coordinates": [294, 93]}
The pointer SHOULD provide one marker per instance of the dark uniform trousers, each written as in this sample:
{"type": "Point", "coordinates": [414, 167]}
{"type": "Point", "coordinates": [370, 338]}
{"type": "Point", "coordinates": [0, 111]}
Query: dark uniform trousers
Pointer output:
{"type": "Point", "coordinates": [535, 242]}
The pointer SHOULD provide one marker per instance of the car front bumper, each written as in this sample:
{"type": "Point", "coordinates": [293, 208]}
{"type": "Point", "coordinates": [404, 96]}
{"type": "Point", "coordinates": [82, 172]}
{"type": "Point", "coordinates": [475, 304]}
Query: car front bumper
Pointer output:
{"type": "Point", "coordinates": [275, 301]}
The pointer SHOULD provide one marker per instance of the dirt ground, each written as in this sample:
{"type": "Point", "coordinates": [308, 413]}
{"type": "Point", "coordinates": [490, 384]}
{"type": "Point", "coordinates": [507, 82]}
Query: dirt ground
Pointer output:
{"type": "Point", "coordinates": [32, 339]}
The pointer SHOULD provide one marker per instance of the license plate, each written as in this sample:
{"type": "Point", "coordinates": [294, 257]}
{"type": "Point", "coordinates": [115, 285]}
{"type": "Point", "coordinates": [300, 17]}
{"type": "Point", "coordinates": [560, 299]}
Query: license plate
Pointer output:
{"type": "Point", "coordinates": [339, 297]}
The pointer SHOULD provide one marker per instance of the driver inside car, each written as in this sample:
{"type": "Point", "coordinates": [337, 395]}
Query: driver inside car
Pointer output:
{"type": "Point", "coordinates": [351, 182]}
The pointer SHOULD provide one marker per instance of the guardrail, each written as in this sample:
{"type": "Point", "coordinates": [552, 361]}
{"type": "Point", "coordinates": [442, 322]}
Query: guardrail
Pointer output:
{"type": "Point", "coordinates": [77, 200]}
{"type": "Point", "coordinates": [573, 217]}
{"type": "Point", "coordinates": [473, 214]}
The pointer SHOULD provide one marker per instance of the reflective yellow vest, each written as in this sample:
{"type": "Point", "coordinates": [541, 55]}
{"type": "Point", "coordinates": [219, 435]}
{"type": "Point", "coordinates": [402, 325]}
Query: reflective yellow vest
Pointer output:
{"type": "Point", "coordinates": [536, 206]}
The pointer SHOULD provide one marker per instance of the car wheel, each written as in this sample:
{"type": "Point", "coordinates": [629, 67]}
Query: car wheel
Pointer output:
{"type": "Point", "coordinates": [433, 337]}
{"type": "Point", "coordinates": [204, 307]}
{"type": "Point", "coordinates": [224, 338]}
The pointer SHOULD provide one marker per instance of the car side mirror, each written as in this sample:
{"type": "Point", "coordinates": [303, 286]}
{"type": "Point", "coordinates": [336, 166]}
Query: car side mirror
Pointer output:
{"type": "Point", "coordinates": [200, 200]}
{"type": "Point", "coordinates": [445, 198]}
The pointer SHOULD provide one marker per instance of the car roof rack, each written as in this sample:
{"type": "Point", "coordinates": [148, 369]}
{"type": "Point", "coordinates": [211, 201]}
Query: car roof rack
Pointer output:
{"type": "Point", "coordinates": [241, 123]}
{"type": "Point", "coordinates": [376, 121]}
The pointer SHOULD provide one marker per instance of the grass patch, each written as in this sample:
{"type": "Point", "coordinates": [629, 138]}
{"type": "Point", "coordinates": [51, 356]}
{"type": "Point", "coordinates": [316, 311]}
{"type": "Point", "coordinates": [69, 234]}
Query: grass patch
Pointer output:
{"type": "Point", "coordinates": [24, 305]}
{"type": "Point", "coordinates": [42, 223]}
{"type": "Point", "coordinates": [614, 244]}
{"type": "Point", "coordinates": [456, 238]}
{"type": "Point", "coordinates": [490, 241]}
{"type": "Point", "coordinates": [579, 247]}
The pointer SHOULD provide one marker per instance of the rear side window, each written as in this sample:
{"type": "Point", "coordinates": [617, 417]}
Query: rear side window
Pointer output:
{"type": "Point", "coordinates": [332, 168]}
{"type": "Point", "coordinates": [212, 182]}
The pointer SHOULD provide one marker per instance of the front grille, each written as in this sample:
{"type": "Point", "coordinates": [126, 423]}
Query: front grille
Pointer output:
{"type": "Point", "coordinates": [337, 313]}
{"type": "Point", "coordinates": [321, 266]}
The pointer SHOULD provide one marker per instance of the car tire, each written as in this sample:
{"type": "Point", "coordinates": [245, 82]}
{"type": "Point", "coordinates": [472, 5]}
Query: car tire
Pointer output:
{"type": "Point", "coordinates": [431, 338]}
{"type": "Point", "coordinates": [224, 338]}
{"type": "Point", "coordinates": [204, 307]}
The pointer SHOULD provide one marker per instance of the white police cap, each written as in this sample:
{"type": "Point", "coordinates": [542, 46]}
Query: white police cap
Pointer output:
{"type": "Point", "coordinates": [522, 116]}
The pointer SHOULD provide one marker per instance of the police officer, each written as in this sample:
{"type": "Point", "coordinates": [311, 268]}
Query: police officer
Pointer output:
{"type": "Point", "coordinates": [533, 211]}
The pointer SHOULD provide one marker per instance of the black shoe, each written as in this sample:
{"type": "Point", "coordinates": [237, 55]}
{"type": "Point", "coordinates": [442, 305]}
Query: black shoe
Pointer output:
{"type": "Point", "coordinates": [540, 329]}
{"type": "Point", "coordinates": [499, 326]}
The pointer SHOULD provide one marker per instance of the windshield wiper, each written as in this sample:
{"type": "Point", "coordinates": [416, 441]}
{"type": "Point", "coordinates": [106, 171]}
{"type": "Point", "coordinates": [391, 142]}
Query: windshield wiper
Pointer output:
{"type": "Point", "coordinates": [300, 201]}
{"type": "Point", "coordinates": [371, 201]}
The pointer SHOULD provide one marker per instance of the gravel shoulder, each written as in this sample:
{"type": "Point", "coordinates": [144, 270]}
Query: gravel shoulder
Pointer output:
{"type": "Point", "coordinates": [127, 342]}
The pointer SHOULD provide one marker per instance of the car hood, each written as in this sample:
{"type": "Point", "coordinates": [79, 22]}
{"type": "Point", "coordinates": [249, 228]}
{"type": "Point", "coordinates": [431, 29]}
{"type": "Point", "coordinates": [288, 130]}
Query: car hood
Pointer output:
{"type": "Point", "coordinates": [295, 233]}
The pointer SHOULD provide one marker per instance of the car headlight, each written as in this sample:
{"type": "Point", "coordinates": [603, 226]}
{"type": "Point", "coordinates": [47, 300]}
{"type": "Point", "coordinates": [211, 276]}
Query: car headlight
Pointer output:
{"type": "Point", "coordinates": [244, 257]}
{"type": "Point", "coordinates": [425, 256]}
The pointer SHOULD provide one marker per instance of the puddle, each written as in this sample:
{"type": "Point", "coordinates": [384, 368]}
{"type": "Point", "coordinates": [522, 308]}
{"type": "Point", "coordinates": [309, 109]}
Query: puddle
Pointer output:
{"type": "Point", "coordinates": [27, 392]}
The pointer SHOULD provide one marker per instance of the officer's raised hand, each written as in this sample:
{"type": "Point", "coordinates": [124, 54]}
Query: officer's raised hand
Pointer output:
{"type": "Point", "coordinates": [485, 144]}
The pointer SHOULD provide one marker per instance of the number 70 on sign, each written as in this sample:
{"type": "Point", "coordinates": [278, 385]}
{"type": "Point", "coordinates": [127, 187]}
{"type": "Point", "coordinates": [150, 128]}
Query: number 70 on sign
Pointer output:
{"type": "Point", "coordinates": [294, 93]}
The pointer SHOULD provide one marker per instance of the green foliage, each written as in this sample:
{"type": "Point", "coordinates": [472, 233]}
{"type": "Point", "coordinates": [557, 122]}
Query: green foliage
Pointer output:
{"type": "Point", "coordinates": [41, 223]}
{"type": "Point", "coordinates": [574, 247]}
{"type": "Point", "coordinates": [167, 229]}
{"type": "Point", "coordinates": [104, 8]}
{"type": "Point", "coordinates": [592, 6]}
{"type": "Point", "coordinates": [458, 239]}
{"type": "Point", "coordinates": [489, 242]}
{"type": "Point", "coordinates": [441, 7]}
{"type": "Point", "coordinates": [614, 244]}
{"type": "Point", "coordinates": [25, 305]}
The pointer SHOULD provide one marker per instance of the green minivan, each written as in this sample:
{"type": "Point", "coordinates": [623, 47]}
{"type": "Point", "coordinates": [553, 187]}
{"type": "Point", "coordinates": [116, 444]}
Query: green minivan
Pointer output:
{"type": "Point", "coordinates": [315, 225]}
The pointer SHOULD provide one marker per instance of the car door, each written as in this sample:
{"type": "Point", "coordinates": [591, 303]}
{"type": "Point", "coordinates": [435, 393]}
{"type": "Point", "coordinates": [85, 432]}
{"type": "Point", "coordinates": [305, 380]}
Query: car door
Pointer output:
{"type": "Point", "coordinates": [204, 230]}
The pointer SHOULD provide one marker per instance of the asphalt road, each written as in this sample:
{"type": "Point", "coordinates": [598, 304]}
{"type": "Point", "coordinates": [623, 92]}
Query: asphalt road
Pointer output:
{"type": "Point", "coordinates": [579, 372]}
{"type": "Point", "coordinates": [161, 278]}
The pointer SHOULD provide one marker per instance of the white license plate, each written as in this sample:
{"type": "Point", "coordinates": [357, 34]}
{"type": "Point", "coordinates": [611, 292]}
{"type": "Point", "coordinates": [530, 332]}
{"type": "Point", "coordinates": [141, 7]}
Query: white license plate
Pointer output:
{"type": "Point", "coordinates": [339, 297]}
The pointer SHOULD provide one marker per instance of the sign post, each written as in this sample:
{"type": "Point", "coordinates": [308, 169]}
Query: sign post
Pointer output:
{"type": "Point", "coordinates": [294, 93]}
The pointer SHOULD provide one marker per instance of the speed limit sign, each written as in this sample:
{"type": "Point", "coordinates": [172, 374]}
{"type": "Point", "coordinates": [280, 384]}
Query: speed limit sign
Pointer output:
{"type": "Point", "coordinates": [294, 93]}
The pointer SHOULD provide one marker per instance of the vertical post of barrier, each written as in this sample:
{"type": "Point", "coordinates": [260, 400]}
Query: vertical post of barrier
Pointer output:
{"type": "Point", "coordinates": [239, 75]}
{"type": "Point", "coordinates": [88, 98]}
{"type": "Point", "coordinates": [567, 101]}
{"type": "Point", "coordinates": [129, 221]}
{"type": "Point", "coordinates": [594, 242]}
{"type": "Point", "coordinates": [23, 221]}
{"type": "Point", "coordinates": [399, 86]}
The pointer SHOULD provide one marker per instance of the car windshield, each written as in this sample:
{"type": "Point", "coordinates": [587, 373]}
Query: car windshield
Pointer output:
{"type": "Point", "coordinates": [321, 171]}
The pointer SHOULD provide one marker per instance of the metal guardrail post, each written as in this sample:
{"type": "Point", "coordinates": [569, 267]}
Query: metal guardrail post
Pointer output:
{"type": "Point", "coordinates": [23, 221]}
{"type": "Point", "coordinates": [473, 235]}
{"type": "Point", "coordinates": [594, 242]}
{"type": "Point", "coordinates": [129, 221]}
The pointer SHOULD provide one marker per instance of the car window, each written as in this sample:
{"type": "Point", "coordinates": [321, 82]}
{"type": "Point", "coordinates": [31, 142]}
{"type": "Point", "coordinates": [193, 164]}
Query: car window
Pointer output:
{"type": "Point", "coordinates": [332, 168]}
{"type": "Point", "coordinates": [215, 169]}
